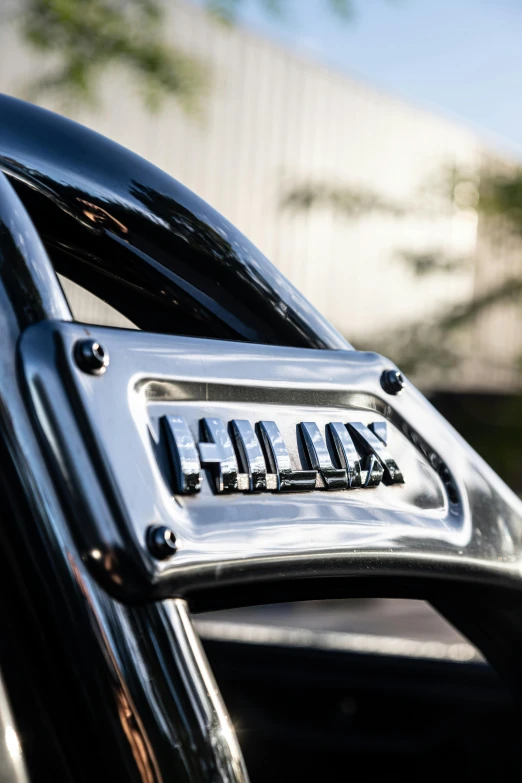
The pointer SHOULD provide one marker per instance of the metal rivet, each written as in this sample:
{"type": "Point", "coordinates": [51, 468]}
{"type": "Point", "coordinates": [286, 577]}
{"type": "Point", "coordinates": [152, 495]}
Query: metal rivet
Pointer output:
{"type": "Point", "coordinates": [91, 357]}
{"type": "Point", "coordinates": [161, 541]}
{"type": "Point", "coordinates": [392, 381]}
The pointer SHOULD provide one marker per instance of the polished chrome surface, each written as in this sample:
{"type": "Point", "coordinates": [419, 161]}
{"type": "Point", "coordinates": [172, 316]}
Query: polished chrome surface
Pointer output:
{"type": "Point", "coordinates": [319, 456]}
{"type": "Point", "coordinates": [161, 541]}
{"type": "Point", "coordinates": [380, 428]}
{"type": "Point", "coordinates": [177, 724]}
{"type": "Point", "coordinates": [218, 454]}
{"type": "Point", "coordinates": [279, 474]}
{"type": "Point", "coordinates": [205, 698]}
{"type": "Point", "coordinates": [452, 509]}
{"type": "Point", "coordinates": [220, 457]}
{"type": "Point", "coordinates": [138, 239]}
{"type": "Point", "coordinates": [250, 454]}
{"type": "Point", "coordinates": [12, 764]}
{"type": "Point", "coordinates": [239, 443]}
{"type": "Point", "coordinates": [184, 455]}
{"type": "Point", "coordinates": [365, 436]}
{"type": "Point", "coordinates": [373, 472]}
{"type": "Point", "coordinates": [341, 641]}
{"type": "Point", "coordinates": [346, 452]}
{"type": "Point", "coordinates": [286, 477]}
{"type": "Point", "coordinates": [26, 270]}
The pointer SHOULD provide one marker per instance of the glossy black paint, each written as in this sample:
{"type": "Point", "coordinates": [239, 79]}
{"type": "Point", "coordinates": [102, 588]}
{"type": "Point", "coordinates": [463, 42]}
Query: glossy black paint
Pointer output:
{"type": "Point", "coordinates": [137, 238]}
{"type": "Point", "coordinates": [25, 268]}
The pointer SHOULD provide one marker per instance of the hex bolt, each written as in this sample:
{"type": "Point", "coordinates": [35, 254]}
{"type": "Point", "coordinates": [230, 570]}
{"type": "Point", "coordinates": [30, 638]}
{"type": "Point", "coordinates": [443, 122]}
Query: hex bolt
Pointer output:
{"type": "Point", "coordinates": [161, 542]}
{"type": "Point", "coordinates": [392, 381]}
{"type": "Point", "coordinates": [91, 357]}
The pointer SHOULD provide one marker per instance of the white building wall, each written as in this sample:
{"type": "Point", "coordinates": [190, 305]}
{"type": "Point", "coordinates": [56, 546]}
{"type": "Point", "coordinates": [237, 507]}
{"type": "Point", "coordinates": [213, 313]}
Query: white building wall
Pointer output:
{"type": "Point", "coordinates": [272, 120]}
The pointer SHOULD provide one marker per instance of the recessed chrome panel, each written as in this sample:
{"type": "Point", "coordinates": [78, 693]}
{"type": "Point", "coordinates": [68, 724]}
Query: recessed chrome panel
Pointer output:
{"type": "Point", "coordinates": [239, 403]}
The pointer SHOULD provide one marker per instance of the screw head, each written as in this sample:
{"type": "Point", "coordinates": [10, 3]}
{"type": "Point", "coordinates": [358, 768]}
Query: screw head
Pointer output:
{"type": "Point", "coordinates": [91, 357]}
{"type": "Point", "coordinates": [392, 381]}
{"type": "Point", "coordinates": [161, 542]}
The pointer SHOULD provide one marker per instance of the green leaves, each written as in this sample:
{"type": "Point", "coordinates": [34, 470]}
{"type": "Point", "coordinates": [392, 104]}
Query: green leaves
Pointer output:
{"type": "Point", "coordinates": [500, 196]}
{"type": "Point", "coordinates": [226, 10]}
{"type": "Point", "coordinates": [434, 261]}
{"type": "Point", "coordinates": [83, 38]}
{"type": "Point", "coordinates": [494, 192]}
{"type": "Point", "coordinates": [350, 202]}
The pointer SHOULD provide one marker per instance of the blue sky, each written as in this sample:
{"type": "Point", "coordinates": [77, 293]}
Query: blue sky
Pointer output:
{"type": "Point", "coordinates": [461, 57]}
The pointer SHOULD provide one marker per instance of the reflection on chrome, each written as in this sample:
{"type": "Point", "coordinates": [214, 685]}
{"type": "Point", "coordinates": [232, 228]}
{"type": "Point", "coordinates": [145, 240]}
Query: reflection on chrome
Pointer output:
{"type": "Point", "coordinates": [12, 743]}
{"type": "Point", "coordinates": [251, 633]}
{"type": "Point", "coordinates": [248, 458]}
{"type": "Point", "coordinates": [319, 456]}
{"type": "Point", "coordinates": [346, 452]}
{"type": "Point", "coordinates": [279, 458]}
{"type": "Point", "coordinates": [375, 446]}
{"type": "Point", "coordinates": [217, 453]}
{"type": "Point", "coordinates": [250, 454]}
{"type": "Point", "coordinates": [184, 455]}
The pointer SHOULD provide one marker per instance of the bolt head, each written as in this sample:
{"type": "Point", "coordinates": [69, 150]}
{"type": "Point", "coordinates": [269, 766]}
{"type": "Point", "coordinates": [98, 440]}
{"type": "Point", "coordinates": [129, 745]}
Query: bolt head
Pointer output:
{"type": "Point", "coordinates": [91, 357]}
{"type": "Point", "coordinates": [392, 381]}
{"type": "Point", "coordinates": [161, 542]}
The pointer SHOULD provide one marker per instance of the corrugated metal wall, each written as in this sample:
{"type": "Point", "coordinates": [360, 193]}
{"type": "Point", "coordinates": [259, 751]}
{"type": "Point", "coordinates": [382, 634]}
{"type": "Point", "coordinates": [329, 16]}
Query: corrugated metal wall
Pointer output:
{"type": "Point", "coordinates": [272, 120]}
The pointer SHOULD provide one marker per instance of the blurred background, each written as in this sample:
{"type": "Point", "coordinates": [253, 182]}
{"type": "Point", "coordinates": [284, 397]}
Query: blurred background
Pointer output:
{"type": "Point", "coordinates": [372, 150]}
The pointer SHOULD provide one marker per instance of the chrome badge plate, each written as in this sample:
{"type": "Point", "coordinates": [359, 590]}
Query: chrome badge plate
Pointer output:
{"type": "Point", "coordinates": [248, 453]}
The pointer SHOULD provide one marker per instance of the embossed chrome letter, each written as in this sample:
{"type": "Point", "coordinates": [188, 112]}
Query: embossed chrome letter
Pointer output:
{"type": "Point", "coordinates": [380, 428]}
{"type": "Point", "coordinates": [346, 451]}
{"type": "Point", "coordinates": [183, 453]}
{"type": "Point", "coordinates": [218, 455]}
{"type": "Point", "coordinates": [279, 458]}
{"type": "Point", "coordinates": [252, 461]}
{"type": "Point", "coordinates": [375, 446]}
{"type": "Point", "coordinates": [319, 456]}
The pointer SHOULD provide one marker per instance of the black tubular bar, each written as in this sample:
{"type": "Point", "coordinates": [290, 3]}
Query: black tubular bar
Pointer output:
{"type": "Point", "coordinates": [126, 690]}
{"type": "Point", "coordinates": [27, 273]}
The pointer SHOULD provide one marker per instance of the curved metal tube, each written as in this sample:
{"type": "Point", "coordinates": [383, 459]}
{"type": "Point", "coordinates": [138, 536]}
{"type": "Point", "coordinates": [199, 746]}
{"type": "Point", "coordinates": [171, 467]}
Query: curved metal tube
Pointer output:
{"type": "Point", "coordinates": [184, 725]}
{"type": "Point", "coordinates": [12, 766]}
{"type": "Point", "coordinates": [117, 692]}
{"type": "Point", "coordinates": [26, 270]}
{"type": "Point", "coordinates": [140, 240]}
